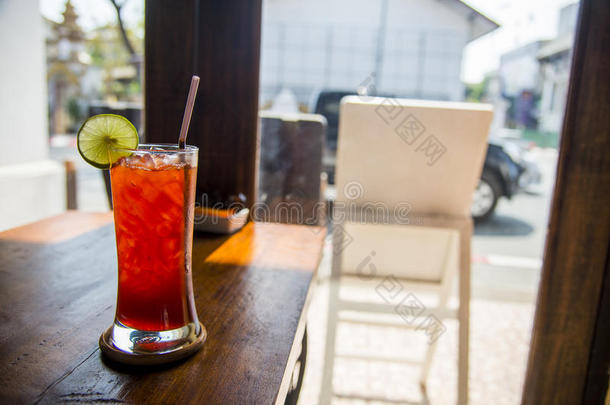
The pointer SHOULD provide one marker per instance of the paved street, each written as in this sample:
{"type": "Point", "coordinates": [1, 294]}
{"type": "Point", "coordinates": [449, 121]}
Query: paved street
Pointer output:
{"type": "Point", "coordinates": [507, 250]}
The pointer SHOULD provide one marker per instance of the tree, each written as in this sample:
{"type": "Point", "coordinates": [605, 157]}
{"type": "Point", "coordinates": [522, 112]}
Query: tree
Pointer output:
{"type": "Point", "coordinates": [476, 92]}
{"type": "Point", "coordinates": [109, 54]}
{"type": "Point", "coordinates": [134, 57]}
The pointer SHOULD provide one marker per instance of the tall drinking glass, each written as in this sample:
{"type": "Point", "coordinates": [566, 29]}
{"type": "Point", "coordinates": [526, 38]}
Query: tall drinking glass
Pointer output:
{"type": "Point", "coordinates": [153, 193]}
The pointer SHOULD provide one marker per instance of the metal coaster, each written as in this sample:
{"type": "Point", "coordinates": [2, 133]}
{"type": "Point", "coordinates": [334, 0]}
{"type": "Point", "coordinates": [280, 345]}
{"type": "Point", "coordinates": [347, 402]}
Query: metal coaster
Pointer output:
{"type": "Point", "coordinates": [146, 359]}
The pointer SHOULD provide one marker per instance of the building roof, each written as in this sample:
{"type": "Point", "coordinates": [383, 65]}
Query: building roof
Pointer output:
{"type": "Point", "coordinates": [481, 24]}
{"type": "Point", "coordinates": [529, 50]}
{"type": "Point", "coordinates": [557, 46]}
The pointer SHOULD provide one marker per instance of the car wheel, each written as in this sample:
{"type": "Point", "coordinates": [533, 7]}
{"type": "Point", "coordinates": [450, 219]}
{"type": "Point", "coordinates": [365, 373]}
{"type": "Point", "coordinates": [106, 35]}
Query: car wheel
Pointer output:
{"type": "Point", "coordinates": [485, 197]}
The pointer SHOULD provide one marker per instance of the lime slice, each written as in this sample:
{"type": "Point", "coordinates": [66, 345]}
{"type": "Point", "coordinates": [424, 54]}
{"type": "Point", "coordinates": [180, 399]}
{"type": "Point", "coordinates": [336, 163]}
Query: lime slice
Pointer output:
{"type": "Point", "coordinates": [101, 134]}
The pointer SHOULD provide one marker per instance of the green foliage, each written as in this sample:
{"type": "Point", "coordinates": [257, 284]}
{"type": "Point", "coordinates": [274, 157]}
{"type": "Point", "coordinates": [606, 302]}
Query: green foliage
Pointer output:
{"type": "Point", "coordinates": [542, 138]}
{"type": "Point", "coordinates": [476, 92]}
{"type": "Point", "coordinates": [75, 112]}
{"type": "Point", "coordinates": [108, 52]}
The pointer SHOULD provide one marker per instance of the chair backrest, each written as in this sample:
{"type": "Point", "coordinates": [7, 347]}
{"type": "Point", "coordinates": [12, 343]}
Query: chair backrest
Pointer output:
{"type": "Point", "coordinates": [423, 156]}
{"type": "Point", "coordinates": [290, 165]}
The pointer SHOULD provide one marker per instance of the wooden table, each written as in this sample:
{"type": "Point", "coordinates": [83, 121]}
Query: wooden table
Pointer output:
{"type": "Point", "coordinates": [57, 294]}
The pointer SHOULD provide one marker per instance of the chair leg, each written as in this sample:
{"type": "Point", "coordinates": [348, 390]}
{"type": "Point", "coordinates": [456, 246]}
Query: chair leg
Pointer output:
{"type": "Point", "coordinates": [425, 369]}
{"type": "Point", "coordinates": [451, 269]}
{"type": "Point", "coordinates": [463, 364]}
{"type": "Point", "coordinates": [464, 315]}
{"type": "Point", "coordinates": [326, 391]}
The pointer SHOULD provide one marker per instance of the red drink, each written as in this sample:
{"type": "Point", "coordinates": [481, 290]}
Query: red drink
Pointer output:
{"type": "Point", "coordinates": [153, 197]}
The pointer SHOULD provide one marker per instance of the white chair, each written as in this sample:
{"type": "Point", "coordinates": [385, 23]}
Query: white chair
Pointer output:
{"type": "Point", "coordinates": [406, 171]}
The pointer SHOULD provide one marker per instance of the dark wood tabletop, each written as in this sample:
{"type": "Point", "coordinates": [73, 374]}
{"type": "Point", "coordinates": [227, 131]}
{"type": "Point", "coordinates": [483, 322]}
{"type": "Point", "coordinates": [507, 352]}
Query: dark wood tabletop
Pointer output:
{"type": "Point", "coordinates": [58, 284]}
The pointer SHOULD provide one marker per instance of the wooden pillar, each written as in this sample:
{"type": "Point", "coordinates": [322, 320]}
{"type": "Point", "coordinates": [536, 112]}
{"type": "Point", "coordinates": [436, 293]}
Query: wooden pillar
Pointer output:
{"type": "Point", "coordinates": [570, 350]}
{"type": "Point", "coordinates": [220, 42]}
{"type": "Point", "coordinates": [71, 193]}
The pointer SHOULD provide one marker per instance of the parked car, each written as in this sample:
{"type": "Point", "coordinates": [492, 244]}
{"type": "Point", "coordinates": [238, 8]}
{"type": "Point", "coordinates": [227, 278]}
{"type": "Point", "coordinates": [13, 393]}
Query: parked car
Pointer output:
{"type": "Point", "coordinates": [506, 170]}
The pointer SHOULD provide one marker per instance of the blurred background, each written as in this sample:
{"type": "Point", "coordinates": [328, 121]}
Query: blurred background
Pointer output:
{"type": "Point", "coordinates": [72, 59]}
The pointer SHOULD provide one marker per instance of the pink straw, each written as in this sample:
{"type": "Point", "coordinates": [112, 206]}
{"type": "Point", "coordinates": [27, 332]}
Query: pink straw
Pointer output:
{"type": "Point", "coordinates": [188, 112]}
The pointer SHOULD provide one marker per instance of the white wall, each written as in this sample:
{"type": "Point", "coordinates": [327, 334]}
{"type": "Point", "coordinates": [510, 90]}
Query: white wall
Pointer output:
{"type": "Point", "coordinates": [427, 34]}
{"type": "Point", "coordinates": [31, 191]}
{"type": "Point", "coordinates": [23, 109]}
{"type": "Point", "coordinates": [332, 44]}
{"type": "Point", "coordinates": [556, 77]}
{"type": "Point", "coordinates": [336, 12]}
{"type": "Point", "coordinates": [31, 186]}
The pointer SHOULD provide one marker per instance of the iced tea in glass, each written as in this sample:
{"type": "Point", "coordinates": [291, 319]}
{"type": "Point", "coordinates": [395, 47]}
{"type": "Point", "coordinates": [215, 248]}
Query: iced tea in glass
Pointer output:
{"type": "Point", "coordinates": [153, 193]}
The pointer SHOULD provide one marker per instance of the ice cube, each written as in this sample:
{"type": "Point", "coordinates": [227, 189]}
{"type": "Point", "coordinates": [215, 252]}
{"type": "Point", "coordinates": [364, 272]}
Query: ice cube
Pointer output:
{"type": "Point", "coordinates": [147, 162]}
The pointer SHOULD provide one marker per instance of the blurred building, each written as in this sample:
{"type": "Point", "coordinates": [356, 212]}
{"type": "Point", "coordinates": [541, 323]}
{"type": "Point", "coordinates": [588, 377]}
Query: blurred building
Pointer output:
{"type": "Point", "coordinates": [534, 77]}
{"type": "Point", "coordinates": [521, 84]}
{"type": "Point", "coordinates": [555, 59]}
{"type": "Point", "coordinates": [31, 185]}
{"type": "Point", "coordinates": [71, 78]}
{"type": "Point", "coordinates": [408, 48]}
{"type": "Point", "coordinates": [66, 64]}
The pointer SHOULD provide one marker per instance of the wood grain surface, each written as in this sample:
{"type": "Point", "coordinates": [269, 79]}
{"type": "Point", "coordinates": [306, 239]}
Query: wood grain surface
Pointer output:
{"type": "Point", "coordinates": [58, 228]}
{"type": "Point", "coordinates": [570, 351]}
{"type": "Point", "coordinates": [220, 42]}
{"type": "Point", "coordinates": [57, 296]}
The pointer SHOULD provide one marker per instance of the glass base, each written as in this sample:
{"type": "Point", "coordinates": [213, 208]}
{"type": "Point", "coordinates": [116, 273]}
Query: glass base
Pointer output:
{"type": "Point", "coordinates": [137, 347]}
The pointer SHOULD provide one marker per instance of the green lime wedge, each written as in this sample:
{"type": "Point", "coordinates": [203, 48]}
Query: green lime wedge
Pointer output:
{"type": "Point", "coordinates": [101, 134]}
